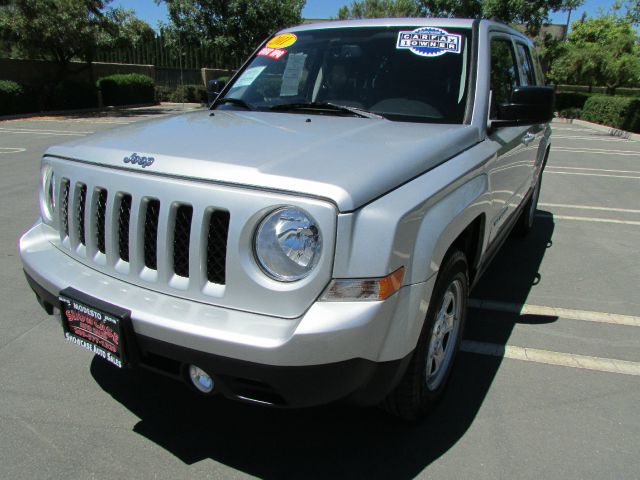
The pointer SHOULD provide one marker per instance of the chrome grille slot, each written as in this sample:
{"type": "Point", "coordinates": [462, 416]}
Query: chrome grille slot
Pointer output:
{"type": "Point", "coordinates": [152, 216]}
{"type": "Point", "coordinates": [181, 239]}
{"type": "Point", "coordinates": [101, 210]}
{"type": "Point", "coordinates": [218, 231]}
{"type": "Point", "coordinates": [64, 210]}
{"type": "Point", "coordinates": [124, 218]}
{"type": "Point", "coordinates": [80, 209]}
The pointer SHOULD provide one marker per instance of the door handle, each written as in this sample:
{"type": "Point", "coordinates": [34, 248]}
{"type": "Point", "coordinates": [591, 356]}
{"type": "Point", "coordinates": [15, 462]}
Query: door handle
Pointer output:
{"type": "Point", "coordinates": [528, 138]}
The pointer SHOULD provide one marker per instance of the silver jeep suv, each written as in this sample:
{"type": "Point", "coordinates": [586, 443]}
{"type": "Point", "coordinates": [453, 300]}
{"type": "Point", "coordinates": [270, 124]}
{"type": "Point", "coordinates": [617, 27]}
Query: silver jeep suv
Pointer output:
{"type": "Point", "coordinates": [314, 235]}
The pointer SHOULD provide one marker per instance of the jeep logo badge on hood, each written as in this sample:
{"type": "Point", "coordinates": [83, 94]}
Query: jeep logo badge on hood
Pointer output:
{"type": "Point", "coordinates": [136, 159]}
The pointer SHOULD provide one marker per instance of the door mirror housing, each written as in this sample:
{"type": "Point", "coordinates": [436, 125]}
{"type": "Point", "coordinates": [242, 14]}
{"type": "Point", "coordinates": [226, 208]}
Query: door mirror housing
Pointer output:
{"type": "Point", "coordinates": [528, 106]}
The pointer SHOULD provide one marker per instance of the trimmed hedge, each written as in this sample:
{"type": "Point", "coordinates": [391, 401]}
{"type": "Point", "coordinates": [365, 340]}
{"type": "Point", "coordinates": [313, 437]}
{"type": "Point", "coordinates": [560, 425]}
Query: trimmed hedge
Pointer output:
{"type": "Point", "coordinates": [127, 89]}
{"type": "Point", "coordinates": [72, 94]}
{"type": "Point", "coordinates": [570, 100]}
{"type": "Point", "coordinates": [189, 93]}
{"type": "Point", "coordinates": [15, 98]}
{"type": "Point", "coordinates": [617, 112]}
{"type": "Point", "coordinates": [163, 93]}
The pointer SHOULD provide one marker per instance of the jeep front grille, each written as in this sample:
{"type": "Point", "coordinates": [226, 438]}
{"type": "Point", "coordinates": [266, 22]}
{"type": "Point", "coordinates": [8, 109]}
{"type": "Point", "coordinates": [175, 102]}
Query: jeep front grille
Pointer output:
{"type": "Point", "coordinates": [101, 209]}
{"type": "Point", "coordinates": [65, 205]}
{"type": "Point", "coordinates": [152, 215]}
{"type": "Point", "coordinates": [128, 228]}
{"type": "Point", "coordinates": [181, 237]}
{"type": "Point", "coordinates": [218, 230]}
{"type": "Point", "coordinates": [124, 216]}
{"type": "Point", "coordinates": [82, 197]}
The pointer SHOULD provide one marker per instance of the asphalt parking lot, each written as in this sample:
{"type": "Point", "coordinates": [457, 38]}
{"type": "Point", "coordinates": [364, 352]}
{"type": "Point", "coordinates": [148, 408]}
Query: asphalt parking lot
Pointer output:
{"type": "Point", "coordinates": [547, 385]}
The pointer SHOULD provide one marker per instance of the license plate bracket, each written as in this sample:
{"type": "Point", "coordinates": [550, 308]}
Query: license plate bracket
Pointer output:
{"type": "Point", "coordinates": [98, 326]}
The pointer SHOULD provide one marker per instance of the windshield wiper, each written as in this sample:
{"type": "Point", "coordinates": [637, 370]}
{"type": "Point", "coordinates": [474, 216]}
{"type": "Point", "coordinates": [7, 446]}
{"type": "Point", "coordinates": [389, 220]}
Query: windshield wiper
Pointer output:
{"type": "Point", "coordinates": [234, 101]}
{"type": "Point", "coordinates": [326, 107]}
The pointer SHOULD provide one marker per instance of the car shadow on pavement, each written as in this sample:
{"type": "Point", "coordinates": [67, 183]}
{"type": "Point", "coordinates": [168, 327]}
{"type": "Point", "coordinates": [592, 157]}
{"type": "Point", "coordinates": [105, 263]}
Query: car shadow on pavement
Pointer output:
{"type": "Point", "coordinates": [337, 441]}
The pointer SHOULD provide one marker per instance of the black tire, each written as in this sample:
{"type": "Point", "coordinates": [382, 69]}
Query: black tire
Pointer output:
{"type": "Point", "coordinates": [524, 224]}
{"type": "Point", "coordinates": [417, 392]}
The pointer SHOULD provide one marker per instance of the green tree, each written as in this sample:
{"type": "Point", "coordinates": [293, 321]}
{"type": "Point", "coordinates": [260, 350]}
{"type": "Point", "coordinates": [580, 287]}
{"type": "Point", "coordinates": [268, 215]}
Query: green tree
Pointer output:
{"type": "Point", "coordinates": [531, 13]}
{"type": "Point", "coordinates": [235, 27]}
{"type": "Point", "coordinates": [633, 11]}
{"type": "Point", "coordinates": [379, 9]}
{"type": "Point", "coordinates": [63, 30]}
{"type": "Point", "coordinates": [600, 51]}
{"type": "Point", "coordinates": [568, 6]}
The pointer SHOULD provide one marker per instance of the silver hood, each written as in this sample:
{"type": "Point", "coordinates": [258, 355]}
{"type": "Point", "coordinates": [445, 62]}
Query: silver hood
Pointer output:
{"type": "Point", "coordinates": [347, 160]}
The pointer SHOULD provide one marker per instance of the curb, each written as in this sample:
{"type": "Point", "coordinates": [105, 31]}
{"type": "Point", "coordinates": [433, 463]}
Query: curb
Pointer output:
{"type": "Point", "coordinates": [79, 110]}
{"type": "Point", "coordinates": [613, 132]}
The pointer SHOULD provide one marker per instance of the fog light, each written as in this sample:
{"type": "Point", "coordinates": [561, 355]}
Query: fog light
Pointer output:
{"type": "Point", "coordinates": [200, 379]}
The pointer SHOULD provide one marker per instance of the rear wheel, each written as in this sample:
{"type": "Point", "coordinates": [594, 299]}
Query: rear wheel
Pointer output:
{"type": "Point", "coordinates": [426, 377]}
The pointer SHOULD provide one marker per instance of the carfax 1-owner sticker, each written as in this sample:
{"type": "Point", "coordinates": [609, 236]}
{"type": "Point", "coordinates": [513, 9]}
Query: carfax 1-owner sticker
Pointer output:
{"type": "Point", "coordinates": [429, 41]}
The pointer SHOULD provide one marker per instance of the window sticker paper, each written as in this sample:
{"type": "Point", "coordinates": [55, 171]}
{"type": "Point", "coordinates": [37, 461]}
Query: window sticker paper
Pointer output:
{"type": "Point", "coordinates": [249, 76]}
{"type": "Point", "coordinates": [292, 74]}
{"type": "Point", "coordinates": [429, 41]}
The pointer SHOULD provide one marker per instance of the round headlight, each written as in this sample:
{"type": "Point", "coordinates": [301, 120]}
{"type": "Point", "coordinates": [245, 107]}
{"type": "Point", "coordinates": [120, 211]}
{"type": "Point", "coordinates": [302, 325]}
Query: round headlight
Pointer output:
{"type": "Point", "coordinates": [48, 192]}
{"type": "Point", "coordinates": [288, 244]}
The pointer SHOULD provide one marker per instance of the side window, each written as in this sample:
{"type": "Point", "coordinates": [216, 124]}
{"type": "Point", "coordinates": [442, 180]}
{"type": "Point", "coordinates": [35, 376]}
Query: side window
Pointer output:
{"type": "Point", "coordinates": [526, 65]}
{"type": "Point", "coordinates": [538, 69]}
{"type": "Point", "coordinates": [504, 73]}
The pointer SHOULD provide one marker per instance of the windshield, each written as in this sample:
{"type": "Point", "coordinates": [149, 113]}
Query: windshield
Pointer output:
{"type": "Point", "coordinates": [404, 74]}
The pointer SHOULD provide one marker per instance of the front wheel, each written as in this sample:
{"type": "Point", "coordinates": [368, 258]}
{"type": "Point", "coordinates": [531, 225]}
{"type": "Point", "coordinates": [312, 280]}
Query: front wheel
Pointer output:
{"type": "Point", "coordinates": [524, 224]}
{"type": "Point", "coordinates": [425, 379]}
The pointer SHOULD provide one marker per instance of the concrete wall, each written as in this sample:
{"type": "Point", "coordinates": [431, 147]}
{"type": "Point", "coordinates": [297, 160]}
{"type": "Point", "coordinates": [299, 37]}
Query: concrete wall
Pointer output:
{"type": "Point", "coordinates": [40, 72]}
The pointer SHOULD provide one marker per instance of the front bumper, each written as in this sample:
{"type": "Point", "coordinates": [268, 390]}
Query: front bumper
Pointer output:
{"type": "Point", "coordinates": [334, 350]}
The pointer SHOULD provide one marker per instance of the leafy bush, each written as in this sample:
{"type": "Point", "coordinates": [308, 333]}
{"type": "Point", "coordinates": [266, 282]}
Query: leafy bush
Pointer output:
{"type": "Point", "coordinates": [565, 100]}
{"type": "Point", "coordinates": [163, 93]}
{"type": "Point", "coordinates": [189, 93]}
{"type": "Point", "coordinates": [15, 98]}
{"type": "Point", "coordinates": [71, 94]}
{"type": "Point", "coordinates": [618, 112]}
{"type": "Point", "coordinates": [127, 89]}
{"type": "Point", "coordinates": [570, 113]}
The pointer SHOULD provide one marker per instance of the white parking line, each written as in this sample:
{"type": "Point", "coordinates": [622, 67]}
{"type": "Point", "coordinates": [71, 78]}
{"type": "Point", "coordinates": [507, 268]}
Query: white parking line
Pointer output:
{"type": "Point", "coordinates": [627, 153]}
{"type": "Point", "coordinates": [11, 150]}
{"type": "Point", "coordinates": [566, 313]}
{"type": "Point", "coordinates": [588, 207]}
{"type": "Point", "coordinates": [592, 174]}
{"type": "Point", "coordinates": [603, 138]}
{"type": "Point", "coordinates": [587, 219]}
{"type": "Point", "coordinates": [43, 132]}
{"type": "Point", "coordinates": [593, 169]}
{"type": "Point", "coordinates": [81, 120]}
{"type": "Point", "coordinates": [599, 364]}
{"type": "Point", "coordinates": [570, 129]}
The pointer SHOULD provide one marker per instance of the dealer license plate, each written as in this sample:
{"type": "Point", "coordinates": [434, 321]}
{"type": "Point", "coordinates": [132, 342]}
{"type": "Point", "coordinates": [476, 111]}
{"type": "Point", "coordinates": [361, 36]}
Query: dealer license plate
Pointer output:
{"type": "Point", "coordinates": [94, 325]}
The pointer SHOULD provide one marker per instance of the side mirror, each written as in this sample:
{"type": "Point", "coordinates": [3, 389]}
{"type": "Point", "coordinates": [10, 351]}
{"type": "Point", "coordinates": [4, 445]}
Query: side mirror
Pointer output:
{"type": "Point", "coordinates": [528, 106]}
{"type": "Point", "coordinates": [214, 87]}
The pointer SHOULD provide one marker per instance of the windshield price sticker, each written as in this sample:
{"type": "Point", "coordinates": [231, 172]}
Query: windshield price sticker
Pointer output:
{"type": "Point", "coordinates": [275, 53]}
{"type": "Point", "coordinates": [429, 41]}
{"type": "Point", "coordinates": [282, 41]}
{"type": "Point", "coordinates": [92, 329]}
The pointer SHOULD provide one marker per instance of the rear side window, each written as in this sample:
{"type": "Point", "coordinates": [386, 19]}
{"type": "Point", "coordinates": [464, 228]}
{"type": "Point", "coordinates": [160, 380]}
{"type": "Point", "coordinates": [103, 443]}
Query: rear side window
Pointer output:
{"type": "Point", "coordinates": [526, 65]}
{"type": "Point", "coordinates": [504, 72]}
